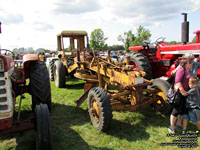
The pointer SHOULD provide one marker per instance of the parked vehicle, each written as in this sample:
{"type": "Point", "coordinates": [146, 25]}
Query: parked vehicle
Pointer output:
{"type": "Point", "coordinates": [109, 85]}
{"type": "Point", "coordinates": [160, 60]}
{"type": "Point", "coordinates": [13, 76]}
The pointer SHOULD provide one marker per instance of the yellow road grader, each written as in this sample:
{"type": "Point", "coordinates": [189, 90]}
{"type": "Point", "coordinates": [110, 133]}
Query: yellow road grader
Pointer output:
{"type": "Point", "coordinates": [110, 86]}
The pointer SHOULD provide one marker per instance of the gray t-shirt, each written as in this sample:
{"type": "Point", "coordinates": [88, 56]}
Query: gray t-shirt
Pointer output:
{"type": "Point", "coordinates": [193, 99]}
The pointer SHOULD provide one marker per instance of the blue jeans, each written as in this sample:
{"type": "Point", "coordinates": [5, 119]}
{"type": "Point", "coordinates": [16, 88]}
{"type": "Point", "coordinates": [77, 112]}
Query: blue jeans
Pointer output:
{"type": "Point", "coordinates": [191, 115]}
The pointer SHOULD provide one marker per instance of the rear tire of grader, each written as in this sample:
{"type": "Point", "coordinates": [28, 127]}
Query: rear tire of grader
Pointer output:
{"type": "Point", "coordinates": [51, 70]}
{"type": "Point", "coordinates": [59, 74]}
{"type": "Point", "coordinates": [142, 63]}
{"type": "Point", "coordinates": [39, 84]}
{"type": "Point", "coordinates": [43, 127]}
{"type": "Point", "coordinates": [162, 105]}
{"type": "Point", "coordinates": [100, 109]}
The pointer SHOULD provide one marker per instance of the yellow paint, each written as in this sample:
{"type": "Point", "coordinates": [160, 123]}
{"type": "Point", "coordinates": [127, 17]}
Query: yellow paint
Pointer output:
{"type": "Point", "coordinates": [72, 68]}
{"type": "Point", "coordinates": [161, 94]}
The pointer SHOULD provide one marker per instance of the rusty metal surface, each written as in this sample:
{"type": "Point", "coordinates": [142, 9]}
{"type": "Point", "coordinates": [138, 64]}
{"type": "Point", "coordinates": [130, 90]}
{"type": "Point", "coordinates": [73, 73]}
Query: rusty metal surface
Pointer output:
{"type": "Point", "coordinates": [87, 88]}
{"type": "Point", "coordinates": [103, 72]}
{"type": "Point", "coordinates": [18, 128]}
{"type": "Point", "coordinates": [26, 125]}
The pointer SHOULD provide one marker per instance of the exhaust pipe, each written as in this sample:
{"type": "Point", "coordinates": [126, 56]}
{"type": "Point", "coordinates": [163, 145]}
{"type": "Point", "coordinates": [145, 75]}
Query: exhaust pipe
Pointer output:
{"type": "Point", "coordinates": [185, 30]}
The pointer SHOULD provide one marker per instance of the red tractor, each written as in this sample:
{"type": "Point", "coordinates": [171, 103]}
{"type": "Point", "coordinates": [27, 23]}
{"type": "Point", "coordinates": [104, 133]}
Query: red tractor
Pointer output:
{"type": "Point", "coordinates": [16, 78]}
{"type": "Point", "coordinates": [160, 60]}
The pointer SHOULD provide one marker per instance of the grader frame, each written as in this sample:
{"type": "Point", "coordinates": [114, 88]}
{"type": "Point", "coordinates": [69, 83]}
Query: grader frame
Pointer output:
{"type": "Point", "coordinates": [120, 87]}
{"type": "Point", "coordinates": [129, 96]}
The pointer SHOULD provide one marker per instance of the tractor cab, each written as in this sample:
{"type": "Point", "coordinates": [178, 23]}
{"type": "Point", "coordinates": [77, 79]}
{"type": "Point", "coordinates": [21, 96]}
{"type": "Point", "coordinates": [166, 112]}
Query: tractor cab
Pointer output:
{"type": "Point", "coordinates": [71, 43]}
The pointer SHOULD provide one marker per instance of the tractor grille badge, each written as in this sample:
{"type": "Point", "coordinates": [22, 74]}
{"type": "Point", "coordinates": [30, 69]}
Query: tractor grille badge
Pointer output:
{"type": "Point", "coordinates": [1, 65]}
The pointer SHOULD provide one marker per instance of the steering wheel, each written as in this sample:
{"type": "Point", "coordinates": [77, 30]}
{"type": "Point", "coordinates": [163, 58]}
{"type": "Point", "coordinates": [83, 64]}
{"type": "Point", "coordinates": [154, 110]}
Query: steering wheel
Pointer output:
{"type": "Point", "coordinates": [6, 52]}
{"type": "Point", "coordinates": [146, 42]}
{"type": "Point", "coordinates": [160, 40]}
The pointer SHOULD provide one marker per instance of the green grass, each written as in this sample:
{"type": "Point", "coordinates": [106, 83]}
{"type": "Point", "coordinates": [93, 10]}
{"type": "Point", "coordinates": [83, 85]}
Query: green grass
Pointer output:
{"type": "Point", "coordinates": [72, 128]}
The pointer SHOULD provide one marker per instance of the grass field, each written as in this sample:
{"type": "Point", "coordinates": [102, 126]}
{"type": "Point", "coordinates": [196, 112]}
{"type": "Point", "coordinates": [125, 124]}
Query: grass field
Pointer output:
{"type": "Point", "coordinates": [72, 129]}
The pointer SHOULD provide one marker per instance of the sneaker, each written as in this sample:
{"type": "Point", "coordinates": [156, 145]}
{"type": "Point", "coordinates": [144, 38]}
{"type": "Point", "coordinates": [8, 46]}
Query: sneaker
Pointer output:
{"type": "Point", "coordinates": [198, 133]}
{"type": "Point", "coordinates": [172, 131]}
{"type": "Point", "coordinates": [184, 131]}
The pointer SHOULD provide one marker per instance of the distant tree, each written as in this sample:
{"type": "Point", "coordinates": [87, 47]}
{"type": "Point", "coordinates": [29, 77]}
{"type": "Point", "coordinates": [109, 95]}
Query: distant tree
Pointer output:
{"type": "Point", "coordinates": [172, 42]}
{"type": "Point", "coordinates": [97, 40]}
{"type": "Point", "coordinates": [116, 47]}
{"type": "Point", "coordinates": [15, 50]}
{"type": "Point", "coordinates": [194, 40]}
{"type": "Point", "coordinates": [127, 39]}
{"type": "Point", "coordinates": [21, 50]}
{"type": "Point", "coordinates": [141, 35]}
{"type": "Point", "coordinates": [30, 50]}
{"type": "Point", "coordinates": [39, 50]}
{"type": "Point", "coordinates": [42, 50]}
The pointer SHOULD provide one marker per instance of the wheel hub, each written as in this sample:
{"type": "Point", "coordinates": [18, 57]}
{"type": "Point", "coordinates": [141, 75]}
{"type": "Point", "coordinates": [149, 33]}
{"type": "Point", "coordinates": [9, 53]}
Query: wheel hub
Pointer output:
{"type": "Point", "coordinates": [95, 110]}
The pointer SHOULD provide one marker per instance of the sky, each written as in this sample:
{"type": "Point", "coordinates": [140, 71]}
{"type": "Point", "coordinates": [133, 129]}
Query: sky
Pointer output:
{"type": "Point", "coordinates": [35, 23]}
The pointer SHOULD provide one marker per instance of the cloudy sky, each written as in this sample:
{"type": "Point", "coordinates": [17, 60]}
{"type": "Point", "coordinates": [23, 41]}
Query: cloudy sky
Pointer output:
{"type": "Point", "coordinates": [35, 23]}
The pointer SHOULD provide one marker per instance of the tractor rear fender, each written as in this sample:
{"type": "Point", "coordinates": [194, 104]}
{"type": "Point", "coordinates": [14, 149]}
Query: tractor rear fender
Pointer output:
{"type": "Point", "coordinates": [27, 59]}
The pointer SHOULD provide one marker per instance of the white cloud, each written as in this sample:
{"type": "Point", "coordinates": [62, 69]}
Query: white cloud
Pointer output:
{"type": "Point", "coordinates": [35, 23]}
{"type": "Point", "coordinates": [42, 26]}
{"type": "Point", "coordinates": [77, 6]}
{"type": "Point", "coordinates": [148, 12]}
{"type": "Point", "coordinates": [10, 18]}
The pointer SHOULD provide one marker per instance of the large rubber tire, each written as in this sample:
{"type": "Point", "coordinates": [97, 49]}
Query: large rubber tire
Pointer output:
{"type": "Point", "coordinates": [162, 105]}
{"type": "Point", "coordinates": [39, 84]}
{"type": "Point", "coordinates": [142, 63]}
{"type": "Point", "coordinates": [51, 70]}
{"type": "Point", "coordinates": [101, 115]}
{"type": "Point", "coordinates": [59, 74]}
{"type": "Point", "coordinates": [43, 127]}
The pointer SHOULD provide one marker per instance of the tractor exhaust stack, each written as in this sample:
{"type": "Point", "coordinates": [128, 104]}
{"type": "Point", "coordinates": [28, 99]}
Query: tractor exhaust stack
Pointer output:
{"type": "Point", "coordinates": [185, 29]}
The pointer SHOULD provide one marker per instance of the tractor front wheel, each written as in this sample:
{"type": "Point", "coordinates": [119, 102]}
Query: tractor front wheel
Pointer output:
{"type": "Point", "coordinates": [59, 74]}
{"type": "Point", "coordinates": [39, 84]}
{"type": "Point", "coordinates": [161, 104]}
{"type": "Point", "coordinates": [43, 127]}
{"type": "Point", "coordinates": [142, 63]}
{"type": "Point", "coordinates": [99, 108]}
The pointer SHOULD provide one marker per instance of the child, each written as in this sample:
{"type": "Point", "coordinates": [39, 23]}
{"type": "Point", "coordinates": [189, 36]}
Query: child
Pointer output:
{"type": "Point", "coordinates": [192, 104]}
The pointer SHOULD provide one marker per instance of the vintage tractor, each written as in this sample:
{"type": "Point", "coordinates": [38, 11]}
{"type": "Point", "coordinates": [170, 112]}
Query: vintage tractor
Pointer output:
{"type": "Point", "coordinates": [161, 59]}
{"type": "Point", "coordinates": [109, 85]}
{"type": "Point", "coordinates": [16, 78]}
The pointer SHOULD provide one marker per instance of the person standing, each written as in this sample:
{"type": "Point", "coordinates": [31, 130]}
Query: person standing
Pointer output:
{"type": "Point", "coordinates": [181, 86]}
{"type": "Point", "coordinates": [192, 104]}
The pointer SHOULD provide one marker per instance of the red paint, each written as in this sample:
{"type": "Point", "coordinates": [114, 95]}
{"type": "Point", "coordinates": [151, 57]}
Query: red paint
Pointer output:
{"type": "Point", "coordinates": [163, 47]}
{"type": "Point", "coordinates": [6, 123]}
{"type": "Point", "coordinates": [137, 48]}
{"type": "Point", "coordinates": [197, 36]}
{"type": "Point", "coordinates": [8, 62]}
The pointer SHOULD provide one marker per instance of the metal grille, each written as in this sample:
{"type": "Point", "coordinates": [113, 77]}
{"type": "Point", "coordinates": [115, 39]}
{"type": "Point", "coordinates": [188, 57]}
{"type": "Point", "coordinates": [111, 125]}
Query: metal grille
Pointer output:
{"type": "Point", "coordinates": [1, 65]}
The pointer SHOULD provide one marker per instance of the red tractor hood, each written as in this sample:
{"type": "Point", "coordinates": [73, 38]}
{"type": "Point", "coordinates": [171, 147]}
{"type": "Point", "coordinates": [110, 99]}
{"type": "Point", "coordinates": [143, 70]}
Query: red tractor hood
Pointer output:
{"type": "Point", "coordinates": [193, 48]}
{"type": "Point", "coordinates": [137, 48]}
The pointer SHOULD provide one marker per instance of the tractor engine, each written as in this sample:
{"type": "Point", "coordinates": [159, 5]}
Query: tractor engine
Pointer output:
{"type": "Point", "coordinates": [7, 99]}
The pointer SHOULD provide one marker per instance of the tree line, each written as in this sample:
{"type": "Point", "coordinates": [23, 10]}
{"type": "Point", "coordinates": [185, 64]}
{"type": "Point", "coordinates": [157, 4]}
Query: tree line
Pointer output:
{"type": "Point", "coordinates": [98, 41]}
{"type": "Point", "coordinates": [30, 50]}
